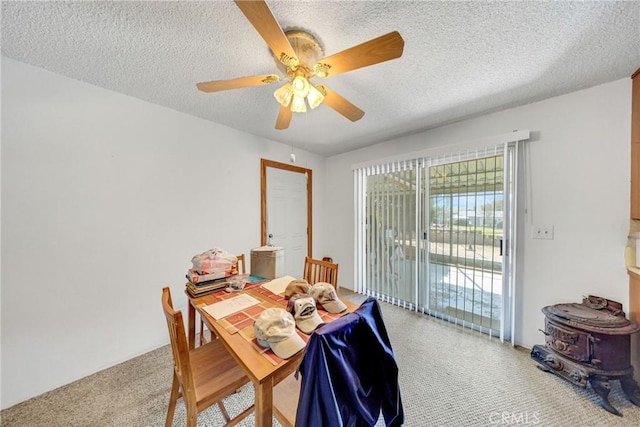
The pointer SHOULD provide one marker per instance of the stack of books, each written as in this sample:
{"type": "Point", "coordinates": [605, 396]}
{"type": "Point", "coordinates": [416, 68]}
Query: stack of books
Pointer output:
{"type": "Point", "coordinates": [203, 288]}
{"type": "Point", "coordinates": [200, 284]}
{"type": "Point", "coordinates": [211, 271]}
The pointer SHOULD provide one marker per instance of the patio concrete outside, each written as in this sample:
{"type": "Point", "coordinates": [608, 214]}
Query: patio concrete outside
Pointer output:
{"type": "Point", "coordinates": [469, 287]}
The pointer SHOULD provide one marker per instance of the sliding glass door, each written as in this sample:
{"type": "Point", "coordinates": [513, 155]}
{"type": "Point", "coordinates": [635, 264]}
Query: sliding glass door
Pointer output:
{"type": "Point", "coordinates": [463, 260]}
{"type": "Point", "coordinates": [436, 235]}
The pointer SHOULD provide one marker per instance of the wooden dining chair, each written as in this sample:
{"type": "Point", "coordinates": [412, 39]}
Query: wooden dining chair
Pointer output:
{"type": "Point", "coordinates": [285, 400]}
{"type": "Point", "coordinates": [203, 376]}
{"type": "Point", "coordinates": [242, 268]}
{"type": "Point", "coordinates": [316, 270]}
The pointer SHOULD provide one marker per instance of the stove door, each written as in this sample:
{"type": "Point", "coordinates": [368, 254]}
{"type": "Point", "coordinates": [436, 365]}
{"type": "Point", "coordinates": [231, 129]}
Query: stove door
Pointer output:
{"type": "Point", "coordinates": [568, 342]}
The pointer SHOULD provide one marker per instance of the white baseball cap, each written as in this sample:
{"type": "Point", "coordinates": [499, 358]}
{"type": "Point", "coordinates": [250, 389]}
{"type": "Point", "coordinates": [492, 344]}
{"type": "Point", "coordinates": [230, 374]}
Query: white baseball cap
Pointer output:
{"type": "Point", "coordinates": [303, 309]}
{"type": "Point", "coordinates": [276, 328]}
{"type": "Point", "coordinates": [325, 294]}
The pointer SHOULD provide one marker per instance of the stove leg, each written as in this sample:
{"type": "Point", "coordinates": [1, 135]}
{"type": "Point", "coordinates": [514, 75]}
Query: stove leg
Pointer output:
{"type": "Point", "coordinates": [631, 389]}
{"type": "Point", "coordinates": [602, 387]}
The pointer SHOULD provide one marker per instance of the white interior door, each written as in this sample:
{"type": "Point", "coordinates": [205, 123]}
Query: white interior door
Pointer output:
{"type": "Point", "coordinates": [287, 216]}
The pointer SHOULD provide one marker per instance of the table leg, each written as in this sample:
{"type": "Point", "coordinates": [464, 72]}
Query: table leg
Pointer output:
{"type": "Point", "coordinates": [192, 326]}
{"type": "Point", "coordinates": [264, 403]}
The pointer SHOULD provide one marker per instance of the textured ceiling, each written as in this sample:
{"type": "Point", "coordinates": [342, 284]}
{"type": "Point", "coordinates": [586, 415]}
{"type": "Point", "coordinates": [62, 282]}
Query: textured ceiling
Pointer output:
{"type": "Point", "coordinates": [461, 59]}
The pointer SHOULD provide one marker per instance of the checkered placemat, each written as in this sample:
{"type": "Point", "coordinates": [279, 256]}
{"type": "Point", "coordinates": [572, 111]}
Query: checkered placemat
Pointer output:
{"type": "Point", "coordinates": [242, 321]}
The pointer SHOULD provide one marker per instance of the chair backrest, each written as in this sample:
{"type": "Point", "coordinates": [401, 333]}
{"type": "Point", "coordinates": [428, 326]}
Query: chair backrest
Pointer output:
{"type": "Point", "coordinates": [242, 270]}
{"type": "Point", "coordinates": [320, 271]}
{"type": "Point", "coordinates": [179, 345]}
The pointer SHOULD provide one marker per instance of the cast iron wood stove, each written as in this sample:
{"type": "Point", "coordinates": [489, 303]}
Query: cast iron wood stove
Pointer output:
{"type": "Point", "coordinates": [589, 342]}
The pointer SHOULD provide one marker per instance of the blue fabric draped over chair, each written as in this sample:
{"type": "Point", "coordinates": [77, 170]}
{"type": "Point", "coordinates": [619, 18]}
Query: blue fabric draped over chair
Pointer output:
{"type": "Point", "coordinates": [349, 373]}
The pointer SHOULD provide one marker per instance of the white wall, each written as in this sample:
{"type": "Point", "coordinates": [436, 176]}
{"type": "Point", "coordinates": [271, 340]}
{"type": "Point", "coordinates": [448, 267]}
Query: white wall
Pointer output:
{"type": "Point", "coordinates": [579, 160]}
{"type": "Point", "coordinates": [105, 199]}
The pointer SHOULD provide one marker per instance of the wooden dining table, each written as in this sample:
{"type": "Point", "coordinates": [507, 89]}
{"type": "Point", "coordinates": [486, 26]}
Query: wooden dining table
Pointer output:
{"type": "Point", "coordinates": [263, 373]}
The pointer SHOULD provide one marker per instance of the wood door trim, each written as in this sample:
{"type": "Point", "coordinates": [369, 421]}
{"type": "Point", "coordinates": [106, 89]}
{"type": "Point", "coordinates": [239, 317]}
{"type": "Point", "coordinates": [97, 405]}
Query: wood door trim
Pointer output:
{"type": "Point", "coordinates": [264, 164]}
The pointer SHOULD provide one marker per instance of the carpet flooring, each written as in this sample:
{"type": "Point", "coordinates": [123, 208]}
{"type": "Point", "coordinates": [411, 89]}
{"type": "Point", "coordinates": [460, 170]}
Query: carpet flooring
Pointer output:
{"type": "Point", "coordinates": [449, 376]}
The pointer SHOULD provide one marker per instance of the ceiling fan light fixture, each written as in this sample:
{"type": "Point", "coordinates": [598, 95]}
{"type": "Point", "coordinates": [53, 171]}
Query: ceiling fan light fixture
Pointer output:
{"type": "Point", "coordinates": [300, 86]}
{"type": "Point", "coordinates": [298, 105]}
{"type": "Point", "coordinates": [284, 94]}
{"type": "Point", "coordinates": [315, 97]}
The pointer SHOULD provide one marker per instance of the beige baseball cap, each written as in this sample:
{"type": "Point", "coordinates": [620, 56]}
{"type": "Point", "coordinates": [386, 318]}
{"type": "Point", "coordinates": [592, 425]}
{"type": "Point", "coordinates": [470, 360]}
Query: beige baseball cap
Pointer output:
{"type": "Point", "coordinates": [297, 286]}
{"type": "Point", "coordinates": [325, 295]}
{"type": "Point", "coordinates": [275, 328]}
{"type": "Point", "coordinates": [303, 309]}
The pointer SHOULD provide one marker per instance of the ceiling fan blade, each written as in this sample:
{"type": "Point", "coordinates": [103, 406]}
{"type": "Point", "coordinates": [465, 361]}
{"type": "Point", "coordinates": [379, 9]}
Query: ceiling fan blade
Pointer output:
{"type": "Point", "coordinates": [284, 118]}
{"type": "Point", "coordinates": [340, 104]}
{"type": "Point", "coordinates": [381, 49]}
{"type": "Point", "coordinates": [218, 85]}
{"type": "Point", "coordinates": [260, 16]}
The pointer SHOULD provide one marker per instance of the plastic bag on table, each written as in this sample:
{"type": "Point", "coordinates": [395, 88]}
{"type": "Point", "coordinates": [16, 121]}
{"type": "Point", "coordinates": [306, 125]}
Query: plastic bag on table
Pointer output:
{"type": "Point", "coordinates": [213, 261]}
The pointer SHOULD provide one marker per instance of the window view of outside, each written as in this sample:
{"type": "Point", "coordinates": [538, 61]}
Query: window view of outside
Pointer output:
{"type": "Point", "coordinates": [453, 266]}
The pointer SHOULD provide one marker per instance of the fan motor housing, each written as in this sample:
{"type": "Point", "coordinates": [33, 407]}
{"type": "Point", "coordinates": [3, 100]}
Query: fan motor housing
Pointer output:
{"type": "Point", "coordinates": [307, 47]}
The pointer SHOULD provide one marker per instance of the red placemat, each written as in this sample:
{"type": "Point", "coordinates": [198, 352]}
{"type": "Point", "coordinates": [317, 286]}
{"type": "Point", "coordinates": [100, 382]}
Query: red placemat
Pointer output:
{"type": "Point", "coordinates": [243, 321]}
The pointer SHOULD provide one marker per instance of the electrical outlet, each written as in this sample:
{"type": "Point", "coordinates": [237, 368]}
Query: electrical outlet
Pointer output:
{"type": "Point", "coordinates": [542, 232]}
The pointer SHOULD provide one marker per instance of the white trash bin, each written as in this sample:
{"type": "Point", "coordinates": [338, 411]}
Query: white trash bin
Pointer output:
{"type": "Point", "coordinates": [267, 262]}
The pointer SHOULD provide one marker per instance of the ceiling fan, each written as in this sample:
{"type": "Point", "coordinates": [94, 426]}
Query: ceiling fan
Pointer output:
{"type": "Point", "coordinates": [300, 56]}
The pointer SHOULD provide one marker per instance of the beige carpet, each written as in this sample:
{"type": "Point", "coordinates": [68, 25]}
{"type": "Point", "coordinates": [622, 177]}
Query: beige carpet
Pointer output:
{"type": "Point", "coordinates": [448, 377]}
